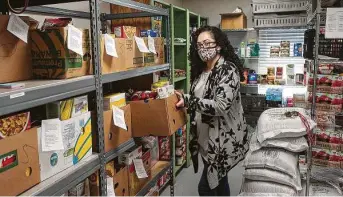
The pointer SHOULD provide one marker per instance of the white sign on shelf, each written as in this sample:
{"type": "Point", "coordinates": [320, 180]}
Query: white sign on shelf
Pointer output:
{"type": "Point", "coordinates": [110, 46]}
{"type": "Point", "coordinates": [151, 45]}
{"type": "Point", "coordinates": [74, 40]}
{"type": "Point", "coordinates": [139, 168]}
{"type": "Point", "coordinates": [52, 139]}
{"type": "Point", "coordinates": [334, 23]}
{"type": "Point", "coordinates": [18, 27]}
{"type": "Point", "coordinates": [141, 45]}
{"type": "Point", "coordinates": [119, 117]}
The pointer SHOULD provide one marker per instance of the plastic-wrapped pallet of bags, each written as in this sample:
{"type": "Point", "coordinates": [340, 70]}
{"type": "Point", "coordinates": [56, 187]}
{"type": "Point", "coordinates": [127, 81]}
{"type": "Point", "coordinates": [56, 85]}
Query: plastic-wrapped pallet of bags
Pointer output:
{"type": "Point", "coordinates": [275, 159]}
{"type": "Point", "coordinates": [264, 174]}
{"type": "Point", "coordinates": [282, 122]}
{"type": "Point", "coordinates": [296, 145]}
{"type": "Point", "coordinates": [260, 187]}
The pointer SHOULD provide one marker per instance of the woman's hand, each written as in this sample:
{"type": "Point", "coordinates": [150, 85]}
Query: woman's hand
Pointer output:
{"type": "Point", "coordinates": [181, 102]}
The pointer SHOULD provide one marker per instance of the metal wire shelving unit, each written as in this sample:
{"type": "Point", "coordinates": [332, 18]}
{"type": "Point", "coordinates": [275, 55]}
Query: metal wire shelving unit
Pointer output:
{"type": "Point", "coordinates": [40, 92]}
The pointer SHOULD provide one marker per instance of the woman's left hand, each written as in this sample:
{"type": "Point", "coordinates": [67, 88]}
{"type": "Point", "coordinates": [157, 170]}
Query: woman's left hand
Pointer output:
{"type": "Point", "coordinates": [181, 102]}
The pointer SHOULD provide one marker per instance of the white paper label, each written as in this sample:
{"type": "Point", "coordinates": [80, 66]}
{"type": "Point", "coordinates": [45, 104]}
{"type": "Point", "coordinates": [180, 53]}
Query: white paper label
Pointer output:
{"type": "Point", "coordinates": [110, 46]}
{"type": "Point", "coordinates": [110, 186]}
{"type": "Point", "coordinates": [119, 118]}
{"type": "Point", "coordinates": [74, 40]}
{"type": "Point", "coordinates": [141, 45]}
{"type": "Point", "coordinates": [151, 45]}
{"type": "Point", "coordinates": [334, 23]}
{"type": "Point", "coordinates": [18, 27]}
{"type": "Point", "coordinates": [20, 94]}
{"type": "Point", "coordinates": [139, 168]}
{"type": "Point", "coordinates": [51, 135]}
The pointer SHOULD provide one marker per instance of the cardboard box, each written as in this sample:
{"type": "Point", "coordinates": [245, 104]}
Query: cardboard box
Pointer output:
{"type": "Point", "coordinates": [125, 31]}
{"type": "Point", "coordinates": [115, 136]}
{"type": "Point", "coordinates": [156, 117]}
{"type": "Point", "coordinates": [20, 170]}
{"type": "Point", "coordinates": [138, 56]}
{"type": "Point", "coordinates": [121, 181]}
{"type": "Point", "coordinates": [233, 21]}
{"type": "Point", "coordinates": [117, 99]}
{"type": "Point", "coordinates": [51, 59]}
{"type": "Point", "coordinates": [133, 153]}
{"type": "Point", "coordinates": [136, 184]}
{"type": "Point", "coordinates": [53, 162]}
{"type": "Point", "coordinates": [14, 124]}
{"type": "Point", "coordinates": [159, 46]}
{"type": "Point", "coordinates": [149, 58]}
{"type": "Point", "coordinates": [68, 108]}
{"type": "Point", "coordinates": [15, 55]}
{"type": "Point", "coordinates": [94, 184]}
{"type": "Point", "coordinates": [123, 62]}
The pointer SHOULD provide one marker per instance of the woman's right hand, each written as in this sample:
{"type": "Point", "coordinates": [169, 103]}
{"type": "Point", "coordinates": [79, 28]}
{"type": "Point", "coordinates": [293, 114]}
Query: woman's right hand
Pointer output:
{"type": "Point", "coordinates": [181, 102]}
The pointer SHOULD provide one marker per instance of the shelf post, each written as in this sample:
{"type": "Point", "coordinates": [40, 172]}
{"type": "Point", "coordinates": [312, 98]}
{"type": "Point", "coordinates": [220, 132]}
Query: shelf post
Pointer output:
{"type": "Point", "coordinates": [95, 36]}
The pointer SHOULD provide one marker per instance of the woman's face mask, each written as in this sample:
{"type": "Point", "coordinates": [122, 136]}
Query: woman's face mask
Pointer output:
{"type": "Point", "coordinates": [207, 54]}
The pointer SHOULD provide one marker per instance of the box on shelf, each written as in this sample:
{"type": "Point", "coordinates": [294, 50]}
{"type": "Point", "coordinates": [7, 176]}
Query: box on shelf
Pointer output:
{"type": "Point", "coordinates": [51, 58]}
{"type": "Point", "coordinates": [94, 184]}
{"type": "Point", "coordinates": [138, 56]}
{"type": "Point", "coordinates": [123, 62]}
{"type": "Point", "coordinates": [117, 99]}
{"type": "Point", "coordinates": [14, 124]}
{"type": "Point", "coordinates": [156, 117]}
{"type": "Point", "coordinates": [125, 31]}
{"type": "Point", "coordinates": [15, 58]}
{"type": "Point", "coordinates": [19, 163]}
{"type": "Point", "coordinates": [81, 189]}
{"type": "Point", "coordinates": [135, 183]}
{"type": "Point", "coordinates": [115, 136]}
{"type": "Point", "coordinates": [159, 46]}
{"type": "Point", "coordinates": [121, 181]}
{"type": "Point", "coordinates": [233, 21]}
{"type": "Point", "coordinates": [77, 141]}
{"type": "Point", "coordinates": [149, 58]}
{"type": "Point", "coordinates": [68, 108]}
{"type": "Point", "coordinates": [133, 153]}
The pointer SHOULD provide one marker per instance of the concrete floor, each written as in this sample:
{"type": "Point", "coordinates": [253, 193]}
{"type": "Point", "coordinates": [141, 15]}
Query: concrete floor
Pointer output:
{"type": "Point", "coordinates": [187, 182]}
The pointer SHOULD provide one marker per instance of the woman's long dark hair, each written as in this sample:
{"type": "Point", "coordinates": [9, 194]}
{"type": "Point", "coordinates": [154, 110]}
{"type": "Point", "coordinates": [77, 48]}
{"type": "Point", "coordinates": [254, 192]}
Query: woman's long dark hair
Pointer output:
{"type": "Point", "coordinates": [227, 51]}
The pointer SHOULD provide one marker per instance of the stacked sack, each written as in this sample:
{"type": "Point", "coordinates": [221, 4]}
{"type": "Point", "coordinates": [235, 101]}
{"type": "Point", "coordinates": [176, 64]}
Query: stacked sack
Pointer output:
{"type": "Point", "coordinates": [272, 162]}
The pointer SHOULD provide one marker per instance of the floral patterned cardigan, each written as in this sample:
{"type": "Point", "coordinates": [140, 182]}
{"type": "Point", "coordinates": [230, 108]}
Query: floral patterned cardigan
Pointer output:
{"type": "Point", "coordinates": [222, 110]}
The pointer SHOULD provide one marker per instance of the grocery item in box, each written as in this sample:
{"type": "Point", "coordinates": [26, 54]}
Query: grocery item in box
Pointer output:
{"type": "Point", "coordinates": [117, 99]}
{"type": "Point", "coordinates": [327, 158]}
{"type": "Point", "coordinates": [125, 31]}
{"type": "Point", "coordinates": [81, 189]}
{"type": "Point", "coordinates": [135, 183]}
{"type": "Point", "coordinates": [274, 51]}
{"type": "Point", "coordinates": [164, 148]}
{"type": "Point", "coordinates": [165, 92]}
{"type": "Point", "coordinates": [298, 50]}
{"type": "Point", "coordinates": [14, 124]}
{"type": "Point", "coordinates": [327, 102]}
{"type": "Point", "coordinates": [51, 23]}
{"type": "Point", "coordinates": [271, 75]}
{"type": "Point", "coordinates": [149, 32]}
{"type": "Point", "coordinates": [133, 153]}
{"type": "Point", "coordinates": [325, 118]}
{"type": "Point", "coordinates": [67, 108]}
{"type": "Point", "coordinates": [328, 138]}
{"type": "Point", "coordinates": [279, 72]}
{"type": "Point", "coordinates": [143, 95]}
{"type": "Point", "coordinates": [51, 58]}
{"type": "Point", "coordinates": [327, 84]}
{"type": "Point", "coordinates": [159, 84]}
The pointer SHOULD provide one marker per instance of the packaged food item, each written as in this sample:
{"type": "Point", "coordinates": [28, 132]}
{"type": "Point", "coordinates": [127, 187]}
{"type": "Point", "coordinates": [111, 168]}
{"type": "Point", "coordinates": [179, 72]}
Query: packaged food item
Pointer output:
{"type": "Point", "coordinates": [332, 84]}
{"type": "Point", "coordinates": [14, 124]}
{"type": "Point", "coordinates": [125, 31]}
{"type": "Point", "coordinates": [329, 158]}
{"type": "Point", "coordinates": [284, 52]}
{"type": "Point", "coordinates": [245, 73]}
{"type": "Point", "coordinates": [264, 174]}
{"type": "Point", "coordinates": [298, 50]}
{"type": "Point", "coordinates": [327, 102]}
{"type": "Point", "coordinates": [135, 183]}
{"type": "Point", "coordinates": [261, 187]}
{"type": "Point", "coordinates": [164, 148]}
{"type": "Point", "coordinates": [328, 138]}
{"type": "Point", "coordinates": [143, 95]}
{"type": "Point", "coordinates": [271, 75]}
{"type": "Point", "coordinates": [274, 51]}
{"type": "Point", "coordinates": [165, 92]}
{"type": "Point", "coordinates": [128, 156]}
{"type": "Point", "coordinates": [117, 100]}
{"type": "Point", "coordinates": [279, 72]}
{"type": "Point", "coordinates": [325, 118]}
{"type": "Point", "coordinates": [81, 189]}
{"type": "Point", "coordinates": [252, 78]}
{"type": "Point", "coordinates": [67, 109]}
{"type": "Point", "coordinates": [262, 79]}
{"type": "Point", "coordinates": [149, 32]}
{"type": "Point", "coordinates": [159, 84]}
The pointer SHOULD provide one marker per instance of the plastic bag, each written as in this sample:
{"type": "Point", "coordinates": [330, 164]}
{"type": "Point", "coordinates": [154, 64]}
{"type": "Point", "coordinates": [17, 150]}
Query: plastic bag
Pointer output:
{"type": "Point", "coordinates": [258, 187]}
{"type": "Point", "coordinates": [263, 174]}
{"type": "Point", "coordinates": [273, 123]}
{"type": "Point", "coordinates": [261, 194]}
{"type": "Point", "coordinates": [296, 145]}
{"type": "Point", "coordinates": [320, 189]}
{"type": "Point", "coordinates": [275, 159]}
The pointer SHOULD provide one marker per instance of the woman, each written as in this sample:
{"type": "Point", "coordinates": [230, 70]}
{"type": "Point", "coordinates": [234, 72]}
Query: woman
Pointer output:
{"type": "Point", "coordinates": [218, 127]}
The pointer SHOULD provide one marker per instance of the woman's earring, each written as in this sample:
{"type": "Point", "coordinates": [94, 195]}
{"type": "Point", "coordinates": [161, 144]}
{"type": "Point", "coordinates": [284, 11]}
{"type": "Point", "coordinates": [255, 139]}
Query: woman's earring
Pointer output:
{"type": "Point", "coordinates": [218, 50]}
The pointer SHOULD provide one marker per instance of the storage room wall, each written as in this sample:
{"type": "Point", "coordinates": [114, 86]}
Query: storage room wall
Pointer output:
{"type": "Point", "coordinates": [212, 8]}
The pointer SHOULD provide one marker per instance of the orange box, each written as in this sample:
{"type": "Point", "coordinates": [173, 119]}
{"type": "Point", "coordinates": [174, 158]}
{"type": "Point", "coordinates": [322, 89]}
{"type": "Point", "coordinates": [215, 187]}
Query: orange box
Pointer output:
{"type": "Point", "coordinates": [19, 169]}
{"type": "Point", "coordinates": [233, 21]}
{"type": "Point", "coordinates": [121, 181]}
{"type": "Point", "coordinates": [136, 184]}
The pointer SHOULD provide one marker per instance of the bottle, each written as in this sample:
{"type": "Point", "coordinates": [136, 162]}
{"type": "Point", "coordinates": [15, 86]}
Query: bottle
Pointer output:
{"type": "Point", "coordinates": [242, 49]}
{"type": "Point", "coordinates": [248, 51]}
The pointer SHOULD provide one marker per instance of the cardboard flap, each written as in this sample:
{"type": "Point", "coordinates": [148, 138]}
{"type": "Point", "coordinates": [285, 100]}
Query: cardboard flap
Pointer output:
{"type": "Point", "coordinates": [20, 164]}
{"type": "Point", "coordinates": [121, 181]}
{"type": "Point", "coordinates": [177, 117]}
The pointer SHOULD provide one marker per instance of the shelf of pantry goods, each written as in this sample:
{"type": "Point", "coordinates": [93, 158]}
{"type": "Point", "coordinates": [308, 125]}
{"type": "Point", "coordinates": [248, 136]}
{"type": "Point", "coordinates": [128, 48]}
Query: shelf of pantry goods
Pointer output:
{"type": "Point", "coordinates": [261, 88]}
{"type": "Point", "coordinates": [39, 92]}
{"type": "Point", "coordinates": [160, 168]}
{"type": "Point", "coordinates": [60, 183]}
{"type": "Point", "coordinates": [133, 73]}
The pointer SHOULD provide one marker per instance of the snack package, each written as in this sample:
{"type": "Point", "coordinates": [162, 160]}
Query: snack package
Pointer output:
{"type": "Point", "coordinates": [274, 51]}
{"type": "Point", "coordinates": [328, 138]}
{"type": "Point", "coordinates": [51, 23]}
{"type": "Point", "coordinates": [328, 158]}
{"type": "Point", "coordinates": [14, 124]}
{"type": "Point", "coordinates": [332, 84]}
{"type": "Point", "coordinates": [327, 102]}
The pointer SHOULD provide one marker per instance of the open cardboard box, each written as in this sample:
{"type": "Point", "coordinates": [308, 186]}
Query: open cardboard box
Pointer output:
{"type": "Point", "coordinates": [113, 135]}
{"type": "Point", "coordinates": [19, 169]}
{"type": "Point", "coordinates": [156, 117]}
{"type": "Point", "coordinates": [135, 183]}
{"type": "Point", "coordinates": [121, 181]}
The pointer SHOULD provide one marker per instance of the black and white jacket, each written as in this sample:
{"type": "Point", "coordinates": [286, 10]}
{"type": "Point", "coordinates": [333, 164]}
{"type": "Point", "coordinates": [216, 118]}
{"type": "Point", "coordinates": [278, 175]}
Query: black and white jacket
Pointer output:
{"type": "Point", "coordinates": [222, 110]}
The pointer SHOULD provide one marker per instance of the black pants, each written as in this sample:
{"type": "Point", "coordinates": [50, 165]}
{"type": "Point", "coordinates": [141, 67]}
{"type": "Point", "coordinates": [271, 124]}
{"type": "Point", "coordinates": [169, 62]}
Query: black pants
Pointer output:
{"type": "Point", "coordinates": [223, 189]}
